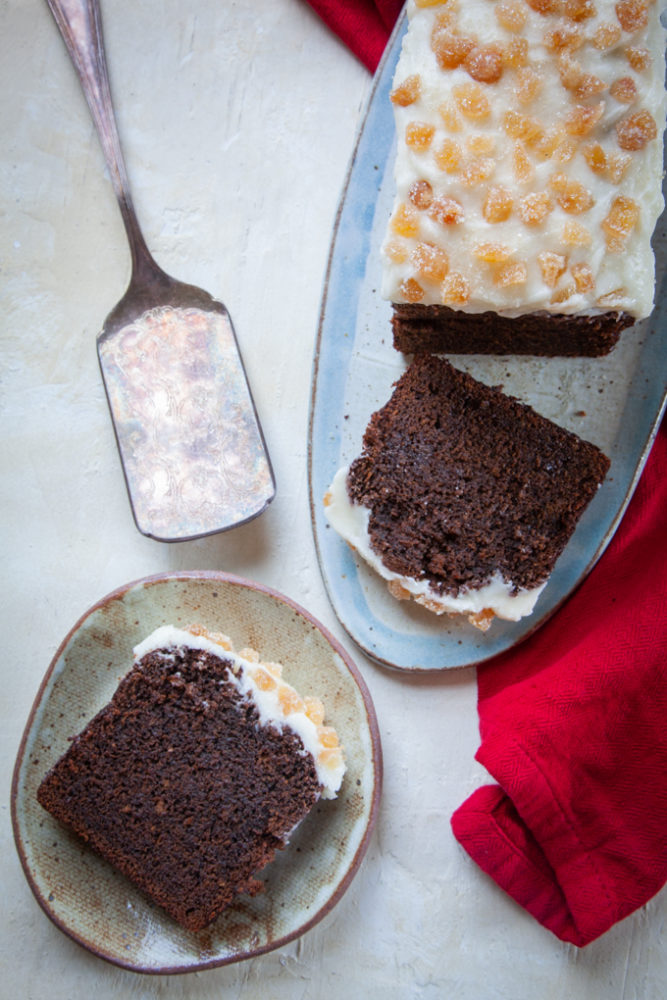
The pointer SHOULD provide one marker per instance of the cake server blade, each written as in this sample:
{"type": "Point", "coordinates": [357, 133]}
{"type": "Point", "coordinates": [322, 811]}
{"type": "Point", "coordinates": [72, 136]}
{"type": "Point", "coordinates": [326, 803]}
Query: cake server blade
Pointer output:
{"type": "Point", "coordinates": [191, 446]}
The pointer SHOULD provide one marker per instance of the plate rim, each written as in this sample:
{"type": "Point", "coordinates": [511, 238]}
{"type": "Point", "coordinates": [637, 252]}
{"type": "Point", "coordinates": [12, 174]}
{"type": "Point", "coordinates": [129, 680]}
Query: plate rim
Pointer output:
{"type": "Point", "coordinates": [376, 760]}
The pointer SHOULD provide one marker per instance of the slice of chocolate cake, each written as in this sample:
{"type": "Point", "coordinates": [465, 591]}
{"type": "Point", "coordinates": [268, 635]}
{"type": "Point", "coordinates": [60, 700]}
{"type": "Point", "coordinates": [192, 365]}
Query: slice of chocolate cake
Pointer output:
{"type": "Point", "coordinates": [463, 498]}
{"type": "Point", "coordinates": [196, 772]}
{"type": "Point", "coordinates": [528, 175]}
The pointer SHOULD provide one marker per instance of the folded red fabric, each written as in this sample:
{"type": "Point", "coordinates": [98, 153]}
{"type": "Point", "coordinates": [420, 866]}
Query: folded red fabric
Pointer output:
{"type": "Point", "coordinates": [573, 728]}
{"type": "Point", "coordinates": [364, 25]}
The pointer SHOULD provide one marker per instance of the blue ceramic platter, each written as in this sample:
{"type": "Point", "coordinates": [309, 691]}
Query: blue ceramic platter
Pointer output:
{"type": "Point", "coordinates": [615, 402]}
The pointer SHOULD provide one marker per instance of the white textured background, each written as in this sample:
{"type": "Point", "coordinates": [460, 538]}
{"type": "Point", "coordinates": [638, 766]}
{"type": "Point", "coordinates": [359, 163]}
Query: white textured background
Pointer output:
{"type": "Point", "coordinates": [237, 120]}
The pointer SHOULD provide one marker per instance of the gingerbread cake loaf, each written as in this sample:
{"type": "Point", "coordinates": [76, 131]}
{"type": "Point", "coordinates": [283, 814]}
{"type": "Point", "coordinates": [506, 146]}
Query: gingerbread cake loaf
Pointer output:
{"type": "Point", "coordinates": [463, 498]}
{"type": "Point", "coordinates": [528, 175]}
{"type": "Point", "coordinates": [196, 772]}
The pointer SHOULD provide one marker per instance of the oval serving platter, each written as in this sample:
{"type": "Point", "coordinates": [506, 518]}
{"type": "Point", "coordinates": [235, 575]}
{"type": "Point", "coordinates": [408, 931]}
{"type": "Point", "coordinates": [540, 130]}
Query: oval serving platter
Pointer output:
{"type": "Point", "coordinates": [616, 402]}
{"type": "Point", "coordinates": [98, 907]}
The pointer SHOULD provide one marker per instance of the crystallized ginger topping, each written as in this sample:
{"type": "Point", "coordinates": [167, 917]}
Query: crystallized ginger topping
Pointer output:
{"type": "Point", "coordinates": [266, 677]}
{"type": "Point", "coordinates": [525, 130]}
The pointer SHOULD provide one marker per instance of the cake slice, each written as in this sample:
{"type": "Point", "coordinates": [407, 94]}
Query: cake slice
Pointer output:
{"type": "Point", "coordinates": [528, 175]}
{"type": "Point", "coordinates": [196, 772]}
{"type": "Point", "coordinates": [463, 498]}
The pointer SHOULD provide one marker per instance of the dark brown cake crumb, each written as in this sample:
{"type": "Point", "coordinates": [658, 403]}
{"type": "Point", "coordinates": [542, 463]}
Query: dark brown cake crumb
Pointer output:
{"type": "Point", "coordinates": [463, 481]}
{"type": "Point", "coordinates": [439, 329]}
{"type": "Point", "coordinates": [177, 786]}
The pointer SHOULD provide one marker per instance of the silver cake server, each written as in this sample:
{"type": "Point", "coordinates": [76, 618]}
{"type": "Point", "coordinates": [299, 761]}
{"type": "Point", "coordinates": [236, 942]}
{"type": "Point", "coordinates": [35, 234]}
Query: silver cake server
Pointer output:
{"type": "Point", "coordinates": [190, 442]}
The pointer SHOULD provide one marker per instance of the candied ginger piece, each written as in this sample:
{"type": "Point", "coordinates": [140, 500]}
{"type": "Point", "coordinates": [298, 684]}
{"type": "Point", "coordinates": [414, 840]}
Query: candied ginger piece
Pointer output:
{"type": "Point", "coordinates": [571, 195]}
{"type": "Point", "coordinates": [249, 654]}
{"type": "Point", "coordinates": [606, 35]}
{"type": "Point", "coordinates": [471, 100]}
{"type": "Point", "coordinates": [484, 63]}
{"type": "Point", "coordinates": [289, 700]}
{"type": "Point", "coordinates": [407, 92]}
{"type": "Point", "coordinates": [397, 591]}
{"type": "Point", "coordinates": [638, 57]}
{"type": "Point", "coordinates": [492, 253]}
{"type": "Point", "coordinates": [263, 679]}
{"type": "Point", "coordinates": [576, 235]}
{"type": "Point", "coordinates": [450, 117]}
{"type": "Point", "coordinates": [619, 222]}
{"type": "Point", "coordinates": [314, 709]}
{"type": "Point", "coordinates": [419, 135]}
{"type": "Point", "coordinates": [513, 273]}
{"type": "Point", "coordinates": [447, 211]}
{"type": "Point", "coordinates": [477, 170]}
{"type": "Point", "coordinates": [396, 251]}
{"type": "Point", "coordinates": [528, 84]}
{"type": "Point", "coordinates": [563, 294]}
{"type": "Point", "coordinates": [450, 49]}
{"type": "Point", "coordinates": [431, 262]}
{"type": "Point", "coordinates": [515, 52]}
{"type": "Point", "coordinates": [498, 204]}
{"type": "Point", "coordinates": [583, 278]}
{"type": "Point", "coordinates": [480, 144]}
{"type": "Point", "coordinates": [583, 118]}
{"type": "Point", "coordinates": [596, 158]}
{"type": "Point", "coordinates": [569, 70]}
{"type": "Point", "coordinates": [482, 619]}
{"type": "Point", "coordinates": [534, 208]}
{"type": "Point", "coordinates": [330, 757]}
{"type": "Point", "coordinates": [635, 130]}
{"type": "Point", "coordinates": [404, 221]}
{"type": "Point", "coordinates": [449, 156]}
{"type": "Point", "coordinates": [617, 165]}
{"type": "Point", "coordinates": [455, 290]}
{"type": "Point", "coordinates": [589, 85]}
{"type": "Point", "coordinates": [544, 7]}
{"type": "Point", "coordinates": [511, 15]}
{"type": "Point", "coordinates": [328, 736]}
{"type": "Point", "coordinates": [523, 127]}
{"type": "Point", "coordinates": [563, 35]}
{"type": "Point", "coordinates": [578, 10]}
{"type": "Point", "coordinates": [624, 90]}
{"type": "Point", "coordinates": [523, 168]}
{"type": "Point", "coordinates": [552, 266]}
{"type": "Point", "coordinates": [611, 299]}
{"type": "Point", "coordinates": [411, 291]}
{"type": "Point", "coordinates": [632, 14]}
{"type": "Point", "coordinates": [421, 194]}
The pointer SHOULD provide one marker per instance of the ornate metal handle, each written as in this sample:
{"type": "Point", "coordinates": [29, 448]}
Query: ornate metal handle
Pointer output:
{"type": "Point", "coordinates": [80, 25]}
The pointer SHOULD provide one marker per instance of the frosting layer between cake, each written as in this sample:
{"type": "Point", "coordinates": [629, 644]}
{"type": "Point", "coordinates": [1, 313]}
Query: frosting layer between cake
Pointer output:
{"type": "Point", "coordinates": [497, 596]}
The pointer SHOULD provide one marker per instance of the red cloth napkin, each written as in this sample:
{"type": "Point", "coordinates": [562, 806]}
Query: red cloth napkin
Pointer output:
{"type": "Point", "coordinates": [573, 723]}
{"type": "Point", "coordinates": [573, 727]}
{"type": "Point", "coordinates": [364, 25]}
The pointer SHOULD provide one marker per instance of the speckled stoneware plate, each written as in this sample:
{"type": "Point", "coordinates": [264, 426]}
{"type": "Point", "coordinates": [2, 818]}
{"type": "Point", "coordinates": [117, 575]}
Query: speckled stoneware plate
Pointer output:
{"type": "Point", "coordinates": [99, 908]}
{"type": "Point", "coordinates": [615, 402]}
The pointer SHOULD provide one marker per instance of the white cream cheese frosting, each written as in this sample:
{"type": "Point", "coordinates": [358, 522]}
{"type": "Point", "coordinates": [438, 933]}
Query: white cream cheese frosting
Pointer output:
{"type": "Point", "coordinates": [529, 156]}
{"type": "Point", "coordinates": [277, 702]}
{"type": "Point", "coordinates": [480, 605]}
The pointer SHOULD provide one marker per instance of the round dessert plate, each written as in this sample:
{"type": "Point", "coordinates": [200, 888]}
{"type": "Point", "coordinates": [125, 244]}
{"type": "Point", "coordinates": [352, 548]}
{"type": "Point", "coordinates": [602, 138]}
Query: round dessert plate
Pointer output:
{"type": "Point", "coordinates": [88, 899]}
{"type": "Point", "coordinates": [615, 402]}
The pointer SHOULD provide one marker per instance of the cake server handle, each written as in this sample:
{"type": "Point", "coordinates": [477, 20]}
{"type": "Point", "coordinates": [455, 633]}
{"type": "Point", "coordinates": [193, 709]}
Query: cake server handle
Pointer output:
{"type": "Point", "coordinates": [80, 25]}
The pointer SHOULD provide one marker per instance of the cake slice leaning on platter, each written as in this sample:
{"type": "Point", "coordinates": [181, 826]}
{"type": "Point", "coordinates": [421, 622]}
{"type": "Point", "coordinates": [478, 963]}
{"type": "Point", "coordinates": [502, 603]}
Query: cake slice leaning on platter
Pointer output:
{"type": "Point", "coordinates": [463, 498]}
{"type": "Point", "coordinates": [528, 175]}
